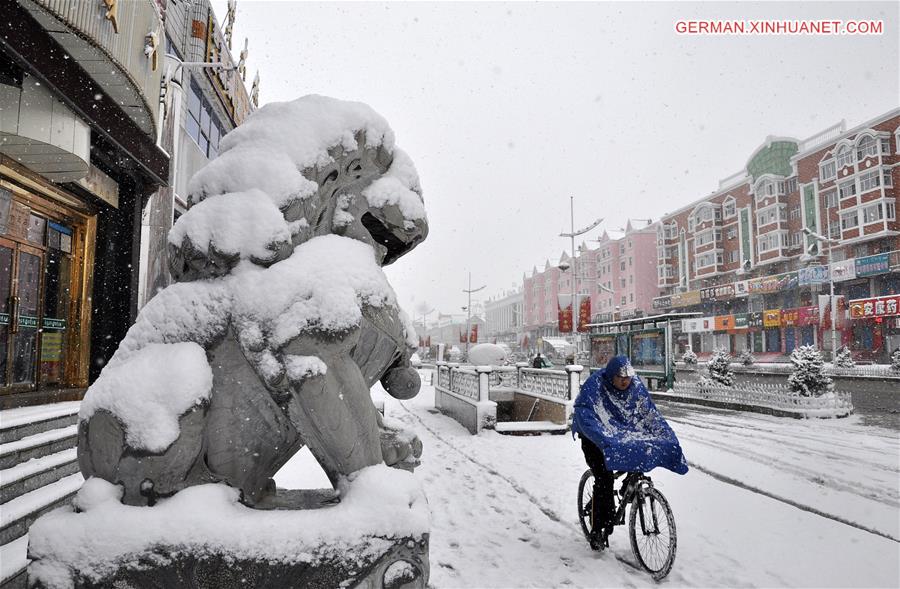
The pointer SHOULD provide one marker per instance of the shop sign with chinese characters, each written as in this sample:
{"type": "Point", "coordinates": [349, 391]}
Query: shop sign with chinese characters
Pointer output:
{"type": "Point", "coordinates": [843, 270]}
{"type": "Point", "coordinates": [770, 284]}
{"type": "Point", "coordinates": [875, 307]}
{"type": "Point", "coordinates": [873, 265]}
{"type": "Point", "coordinates": [813, 275]}
{"type": "Point", "coordinates": [800, 316]}
{"type": "Point", "coordinates": [723, 292]}
{"type": "Point", "coordinates": [772, 318]}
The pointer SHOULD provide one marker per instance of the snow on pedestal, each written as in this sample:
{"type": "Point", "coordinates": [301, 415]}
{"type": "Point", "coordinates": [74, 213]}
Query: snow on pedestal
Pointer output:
{"type": "Point", "coordinates": [184, 540]}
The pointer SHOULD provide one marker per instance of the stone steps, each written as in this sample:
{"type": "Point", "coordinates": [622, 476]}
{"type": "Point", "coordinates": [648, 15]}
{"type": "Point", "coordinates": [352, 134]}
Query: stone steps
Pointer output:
{"type": "Point", "coordinates": [38, 473]}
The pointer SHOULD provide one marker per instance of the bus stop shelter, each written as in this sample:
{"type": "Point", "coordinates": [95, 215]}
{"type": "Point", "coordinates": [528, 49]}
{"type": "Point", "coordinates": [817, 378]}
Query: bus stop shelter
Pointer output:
{"type": "Point", "coordinates": [647, 341]}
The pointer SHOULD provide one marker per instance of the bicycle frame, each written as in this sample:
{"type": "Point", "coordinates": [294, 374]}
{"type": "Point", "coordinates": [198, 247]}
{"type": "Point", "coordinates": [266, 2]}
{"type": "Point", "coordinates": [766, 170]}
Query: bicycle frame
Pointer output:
{"type": "Point", "coordinates": [634, 486]}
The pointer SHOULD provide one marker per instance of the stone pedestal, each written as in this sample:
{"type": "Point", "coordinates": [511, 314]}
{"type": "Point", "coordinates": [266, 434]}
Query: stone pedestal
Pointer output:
{"type": "Point", "coordinates": [372, 562]}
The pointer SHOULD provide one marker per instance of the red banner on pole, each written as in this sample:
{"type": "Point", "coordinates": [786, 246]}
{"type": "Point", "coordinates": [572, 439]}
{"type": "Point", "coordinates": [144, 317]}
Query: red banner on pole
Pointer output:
{"type": "Point", "coordinates": [428, 342]}
{"type": "Point", "coordinates": [462, 336]}
{"type": "Point", "coordinates": [584, 312]}
{"type": "Point", "coordinates": [564, 313]}
{"type": "Point", "coordinates": [473, 337]}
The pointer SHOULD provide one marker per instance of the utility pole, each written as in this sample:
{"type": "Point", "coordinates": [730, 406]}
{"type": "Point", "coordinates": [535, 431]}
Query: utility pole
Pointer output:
{"type": "Point", "coordinates": [573, 234]}
{"type": "Point", "coordinates": [469, 291]}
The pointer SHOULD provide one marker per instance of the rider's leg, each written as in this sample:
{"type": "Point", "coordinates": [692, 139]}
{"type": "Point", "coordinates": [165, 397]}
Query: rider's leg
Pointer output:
{"type": "Point", "coordinates": [603, 507]}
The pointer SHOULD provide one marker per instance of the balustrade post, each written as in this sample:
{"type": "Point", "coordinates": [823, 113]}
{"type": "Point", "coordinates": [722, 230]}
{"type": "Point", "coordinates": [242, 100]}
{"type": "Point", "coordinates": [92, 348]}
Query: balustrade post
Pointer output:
{"type": "Point", "coordinates": [484, 382]}
{"type": "Point", "coordinates": [519, 367]}
{"type": "Point", "coordinates": [452, 367]}
{"type": "Point", "coordinates": [574, 372]}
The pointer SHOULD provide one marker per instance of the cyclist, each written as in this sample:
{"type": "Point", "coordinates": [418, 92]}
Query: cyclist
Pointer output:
{"type": "Point", "coordinates": [620, 430]}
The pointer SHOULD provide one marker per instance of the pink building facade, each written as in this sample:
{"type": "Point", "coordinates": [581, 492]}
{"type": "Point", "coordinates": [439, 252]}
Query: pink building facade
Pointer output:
{"type": "Point", "coordinates": [620, 275]}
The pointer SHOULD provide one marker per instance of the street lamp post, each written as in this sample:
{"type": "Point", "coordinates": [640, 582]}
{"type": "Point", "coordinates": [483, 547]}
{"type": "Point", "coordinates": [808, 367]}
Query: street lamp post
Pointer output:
{"type": "Point", "coordinates": [572, 235]}
{"type": "Point", "coordinates": [830, 242]}
{"type": "Point", "coordinates": [469, 291]}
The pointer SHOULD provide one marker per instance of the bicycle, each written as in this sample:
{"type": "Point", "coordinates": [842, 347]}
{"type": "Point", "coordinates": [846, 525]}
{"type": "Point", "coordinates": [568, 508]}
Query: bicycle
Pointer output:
{"type": "Point", "coordinates": [653, 540]}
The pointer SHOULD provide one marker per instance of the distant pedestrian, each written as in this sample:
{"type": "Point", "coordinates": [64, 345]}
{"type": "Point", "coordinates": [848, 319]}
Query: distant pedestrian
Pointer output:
{"type": "Point", "coordinates": [538, 362]}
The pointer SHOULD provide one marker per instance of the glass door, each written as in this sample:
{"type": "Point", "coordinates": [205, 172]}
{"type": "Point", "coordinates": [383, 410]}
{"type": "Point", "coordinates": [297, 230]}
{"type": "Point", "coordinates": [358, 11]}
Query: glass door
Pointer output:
{"type": "Point", "coordinates": [20, 289]}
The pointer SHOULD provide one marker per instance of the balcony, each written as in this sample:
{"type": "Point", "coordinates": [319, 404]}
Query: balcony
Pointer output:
{"type": "Point", "coordinates": [116, 61]}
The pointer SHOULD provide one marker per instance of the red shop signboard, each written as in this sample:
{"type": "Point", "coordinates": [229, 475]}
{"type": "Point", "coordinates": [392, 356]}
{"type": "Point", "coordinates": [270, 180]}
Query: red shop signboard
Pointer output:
{"type": "Point", "coordinates": [800, 317]}
{"type": "Point", "coordinates": [875, 307]}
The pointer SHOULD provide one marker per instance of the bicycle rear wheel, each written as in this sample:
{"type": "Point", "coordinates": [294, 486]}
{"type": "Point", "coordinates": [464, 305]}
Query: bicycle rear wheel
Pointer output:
{"type": "Point", "coordinates": [651, 527]}
{"type": "Point", "coordinates": [585, 499]}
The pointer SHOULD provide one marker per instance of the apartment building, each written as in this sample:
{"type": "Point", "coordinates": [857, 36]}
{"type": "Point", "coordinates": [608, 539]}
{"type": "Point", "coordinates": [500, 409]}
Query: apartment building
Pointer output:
{"type": "Point", "coordinates": [740, 256]}
{"type": "Point", "coordinates": [618, 275]}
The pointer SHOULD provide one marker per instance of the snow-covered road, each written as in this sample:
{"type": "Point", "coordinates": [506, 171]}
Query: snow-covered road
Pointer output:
{"type": "Point", "coordinates": [769, 503]}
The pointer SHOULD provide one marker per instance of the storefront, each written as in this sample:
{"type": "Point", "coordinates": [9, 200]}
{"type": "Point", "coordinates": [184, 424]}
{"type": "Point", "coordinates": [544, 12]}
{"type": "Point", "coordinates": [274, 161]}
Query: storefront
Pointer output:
{"type": "Point", "coordinates": [875, 324]}
{"type": "Point", "coordinates": [44, 286]}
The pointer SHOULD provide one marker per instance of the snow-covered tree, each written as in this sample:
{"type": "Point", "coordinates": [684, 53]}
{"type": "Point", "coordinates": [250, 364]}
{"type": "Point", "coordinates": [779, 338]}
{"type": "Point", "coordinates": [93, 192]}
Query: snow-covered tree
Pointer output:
{"type": "Point", "coordinates": [689, 357]}
{"type": "Point", "coordinates": [895, 360]}
{"type": "Point", "coordinates": [747, 358]}
{"type": "Point", "coordinates": [720, 368]}
{"type": "Point", "coordinates": [808, 377]}
{"type": "Point", "coordinates": [843, 358]}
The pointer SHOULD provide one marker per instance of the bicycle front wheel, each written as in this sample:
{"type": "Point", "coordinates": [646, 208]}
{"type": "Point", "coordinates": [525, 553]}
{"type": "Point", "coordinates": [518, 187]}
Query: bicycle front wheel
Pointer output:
{"type": "Point", "coordinates": [585, 500]}
{"type": "Point", "coordinates": [651, 527]}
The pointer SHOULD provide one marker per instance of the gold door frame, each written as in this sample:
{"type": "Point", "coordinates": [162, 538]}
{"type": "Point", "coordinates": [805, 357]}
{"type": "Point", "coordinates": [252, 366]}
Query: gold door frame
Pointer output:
{"type": "Point", "coordinates": [60, 206]}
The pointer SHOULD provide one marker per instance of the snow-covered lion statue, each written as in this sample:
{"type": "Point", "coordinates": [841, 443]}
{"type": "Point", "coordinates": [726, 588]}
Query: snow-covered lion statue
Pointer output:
{"type": "Point", "coordinates": [281, 318]}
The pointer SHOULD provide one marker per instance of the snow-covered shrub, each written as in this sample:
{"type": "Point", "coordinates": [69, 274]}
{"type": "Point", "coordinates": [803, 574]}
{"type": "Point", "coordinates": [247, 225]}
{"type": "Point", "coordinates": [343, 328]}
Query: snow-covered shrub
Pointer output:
{"type": "Point", "coordinates": [808, 377]}
{"type": "Point", "coordinates": [895, 360]}
{"type": "Point", "coordinates": [689, 357]}
{"type": "Point", "coordinates": [843, 358]}
{"type": "Point", "coordinates": [747, 358]}
{"type": "Point", "coordinates": [720, 368]}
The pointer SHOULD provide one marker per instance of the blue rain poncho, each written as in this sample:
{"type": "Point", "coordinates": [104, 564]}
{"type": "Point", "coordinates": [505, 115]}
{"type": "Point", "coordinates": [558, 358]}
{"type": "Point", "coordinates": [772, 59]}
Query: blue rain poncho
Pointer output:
{"type": "Point", "coordinates": [626, 425]}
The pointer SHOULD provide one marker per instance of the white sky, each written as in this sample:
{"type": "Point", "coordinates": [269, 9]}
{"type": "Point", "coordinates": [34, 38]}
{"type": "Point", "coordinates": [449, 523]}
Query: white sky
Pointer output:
{"type": "Point", "coordinates": [510, 109]}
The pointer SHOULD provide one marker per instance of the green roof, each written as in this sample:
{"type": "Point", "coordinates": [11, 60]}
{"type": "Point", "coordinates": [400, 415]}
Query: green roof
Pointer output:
{"type": "Point", "coordinates": [774, 158]}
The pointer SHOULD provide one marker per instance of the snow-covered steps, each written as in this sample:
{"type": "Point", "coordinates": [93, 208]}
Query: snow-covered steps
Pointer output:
{"type": "Point", "coordinates": [16, 424]}
{"type": "Point", "coordinates": [17, 515]}
{"type": "Point", "coordinates": [38, 445]}
{"type": "Point", "coordinates": [14, 563]}
{"type": "Point", "coordinates": [37, 472]}
{"type": "Point", "coordinates": [530, 428]}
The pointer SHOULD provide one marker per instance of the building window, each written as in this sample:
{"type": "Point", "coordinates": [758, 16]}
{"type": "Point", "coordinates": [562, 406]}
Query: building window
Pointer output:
{"type": "Point", "coordinates": [731, 233]}
{"type": "Point", "coordinates": [869, 181]}
{"type": "Point", "coordinates": [202, 124]}
{"type": "Point", "coordinates": [730, 209]}
{"type": "Point", "coordinates": [865, 148]}
{"type": "Point", "coordinates": [706, 260]}
{"type": "Point", "coordinates": [891, 210]}
{"type": "Point", "coordinates": [887, 179]}
{"type": "Point", "coordinates": [827, 170]}
{"type": "Point", "coordinates": [844, 157]}
{"type": "Point", "coordinates": [847, 189]}
{"type": "Point", "coordinates": [885, 145]}
{"type": "Point", "coordinates": [792, 185]}
{"type": "Point", "coordinates": [769, 242]}
{"type": "Point", "coordinates": [795, 213]}
{"type": "Point", "coordinates": [849, 220]}
{"type": "Point", "coordinates": [831, 199]}
{"type": "Point", "coordinates": [631, 297]}
{"type": "Point", "coordinates": [704, 238]}
{"type": "Point", "coordinates": [622, 266]}
{"type": "Point", "coordinates": [873, 213]}
{"type": "Point", "coordinates": [834, 229]}
{"type": "Point", "coordinates": [791, 240]}
{"type": "Point", "coordinates": [734, 256]}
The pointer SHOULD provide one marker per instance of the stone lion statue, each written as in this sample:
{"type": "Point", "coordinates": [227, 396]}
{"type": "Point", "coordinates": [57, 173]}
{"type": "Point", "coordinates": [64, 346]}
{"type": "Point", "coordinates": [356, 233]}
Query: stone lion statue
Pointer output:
{"type": "Point", "coordinates": [280, 319]}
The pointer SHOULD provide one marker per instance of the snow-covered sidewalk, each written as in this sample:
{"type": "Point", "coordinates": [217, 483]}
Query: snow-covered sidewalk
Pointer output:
{"type": "Point", "coordinates": [504, 507]}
